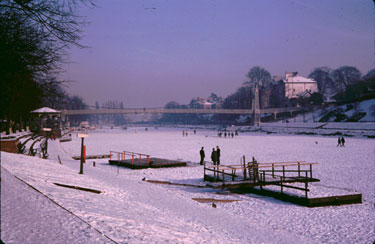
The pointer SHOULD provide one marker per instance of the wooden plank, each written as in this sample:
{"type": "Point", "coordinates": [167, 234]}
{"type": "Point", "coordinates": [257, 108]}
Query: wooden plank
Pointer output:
{"type": "Point", "coordinates": [294, 187]}
{"type": "Point", "coordinates": [214, 200]}
{"type": "Point", "coordinates": [175, 184]}
{"type": "Point", "coordinates": [92, 156]}
{"type": "Point", "coordinates": [79, 188]}
{"type": "Point", "coordinates": [335, 200]}
{"type": "Point", "coordinates": [308, 202]}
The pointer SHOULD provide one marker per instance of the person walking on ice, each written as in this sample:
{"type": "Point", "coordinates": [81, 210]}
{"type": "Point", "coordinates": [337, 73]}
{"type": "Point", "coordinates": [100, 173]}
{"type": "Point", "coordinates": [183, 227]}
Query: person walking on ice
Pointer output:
{"type": "Point", "coordinates": [339, 142]}
{"type": "Point", "coordinates": [213, 156]}
{"type": "Point", "coordinates": [201, 152]}
{"type": "Point", "coordinates": [218, 155]}
{"type": "Point", "coordinates": [342, 142]}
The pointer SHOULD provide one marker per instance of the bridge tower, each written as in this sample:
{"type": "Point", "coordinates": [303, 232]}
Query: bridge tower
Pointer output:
{"type": "Point", "coordinates": [255, 106]}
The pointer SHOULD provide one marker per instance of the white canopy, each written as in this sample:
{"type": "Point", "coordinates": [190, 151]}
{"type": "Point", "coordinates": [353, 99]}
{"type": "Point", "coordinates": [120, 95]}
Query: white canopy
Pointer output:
{"type": "Point", "coordinates": [45, 110]}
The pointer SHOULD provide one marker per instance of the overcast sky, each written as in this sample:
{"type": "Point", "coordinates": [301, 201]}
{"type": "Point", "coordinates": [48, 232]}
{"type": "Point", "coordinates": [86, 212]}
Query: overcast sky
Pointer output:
{"type": "Point", "coordinates": [147, 53]}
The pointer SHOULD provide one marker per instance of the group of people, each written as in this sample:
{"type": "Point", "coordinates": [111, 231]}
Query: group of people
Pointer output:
{"type": "Point", "coordinates": [229, 134]}
{"type": "Point", "coordinates": [341, 142]}
{"type": "Point", "coordinates": [186, 132]}
{"type": "Point", "coordinates": [215, 155]}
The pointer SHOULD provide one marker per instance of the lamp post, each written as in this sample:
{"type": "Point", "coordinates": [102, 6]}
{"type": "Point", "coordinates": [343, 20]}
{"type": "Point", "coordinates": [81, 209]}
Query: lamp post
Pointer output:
{"type": "Point", "coordinates": [82, 136]}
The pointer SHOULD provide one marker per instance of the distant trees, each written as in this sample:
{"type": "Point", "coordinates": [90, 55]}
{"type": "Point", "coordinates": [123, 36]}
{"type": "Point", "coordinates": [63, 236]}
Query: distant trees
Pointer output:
{"type": "Point", "coordinates": [258, 76]}
{"type": "Point", "coordinates": [323, 76]}
{"type": "Point", "coordinates": [369, 75]}
{"type": "Point", "coordinates": [116, 119]}
{"type": "Point", "coordinates": [344, 83]}
{"type": "Point", "coordinates": [345, 76]}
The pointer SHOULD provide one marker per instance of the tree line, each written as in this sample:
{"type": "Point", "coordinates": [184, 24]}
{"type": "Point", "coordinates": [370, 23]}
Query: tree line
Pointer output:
{"type": "Point", "coordinates": [34, 38]}
{"type": "Point", "coordinates": [344, 84]}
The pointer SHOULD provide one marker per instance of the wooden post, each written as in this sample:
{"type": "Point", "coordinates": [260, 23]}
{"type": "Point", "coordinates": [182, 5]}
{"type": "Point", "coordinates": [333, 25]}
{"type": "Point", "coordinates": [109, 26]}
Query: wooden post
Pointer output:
{"type": "Point", "coordinates": [273, 170]}
{"type": "Point", "coordinates": [244, 170]}
{"type": "Point", "coordinates": [110, 155]}
{"type": "Point", "coordinates": [310, 171]}
{"type": "Point", "coordinates": [81, 164]}
{"type": "Point", "coordinates": [133, 159]}
{"type": "Point", "coordinates": [306, 185]}
{"type": "Point", "coordinates": [284, 172]}
{"type": "Point", "coordinates": [218, 170]}
{"type": "Point", "coordinates": [299, 169]}
{"type": "Point", "coordinates": [148, 159]}
{"type": "Point", "coordinates": [281, 184]}
{"type": "Point", "coordinates": [233, 172]}
{"type": "Point", "coordinates": [204, 172]}
{"type": "Point", "coordinates": [140, 158]}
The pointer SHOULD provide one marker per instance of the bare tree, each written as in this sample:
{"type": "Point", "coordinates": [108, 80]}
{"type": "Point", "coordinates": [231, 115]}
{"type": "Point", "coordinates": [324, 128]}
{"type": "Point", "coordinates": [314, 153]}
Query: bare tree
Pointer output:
{"type": "Point", "coordinates": [56, 20]}
{"type": "Point", "coordinates": [258, 76]}
{"type": "Point", "coordinates": [323, 76]}
{"type": "Point", "coordinates": [345, 76]}
{"type": "Point", "coordinates": [370, 74]}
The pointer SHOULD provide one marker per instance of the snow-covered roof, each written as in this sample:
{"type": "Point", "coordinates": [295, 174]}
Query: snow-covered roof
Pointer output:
{"type": "Point", "coordinates": [298, 78]}
{"type": "Point", "coordinates": [45, 110]}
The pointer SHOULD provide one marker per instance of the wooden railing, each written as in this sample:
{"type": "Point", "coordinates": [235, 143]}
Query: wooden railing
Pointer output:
{"type": "Point", "coordinates": [124, 155]}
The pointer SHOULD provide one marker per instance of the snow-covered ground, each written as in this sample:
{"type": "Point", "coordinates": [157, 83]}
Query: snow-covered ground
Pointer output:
{"type": "Point", "coordinates": [130, 210]}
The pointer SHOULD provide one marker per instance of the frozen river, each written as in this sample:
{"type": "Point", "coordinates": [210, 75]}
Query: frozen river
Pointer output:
{"type": "Point", "coordinates": [135, 211]}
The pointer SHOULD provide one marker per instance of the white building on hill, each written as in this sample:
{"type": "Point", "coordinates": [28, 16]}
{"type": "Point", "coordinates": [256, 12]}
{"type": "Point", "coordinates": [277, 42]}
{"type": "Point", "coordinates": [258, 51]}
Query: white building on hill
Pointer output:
{"type": "Point", "coordinates": [298, 86]}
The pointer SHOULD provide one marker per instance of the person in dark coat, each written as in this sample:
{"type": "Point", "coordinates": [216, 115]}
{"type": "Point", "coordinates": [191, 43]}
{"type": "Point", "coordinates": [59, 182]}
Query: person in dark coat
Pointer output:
{"type": "Point", "coordinates": [218, 155]}
{"type": "Point", "coordinates": [213, 156]}
{"type": "Point", "coordinates": [201, 152]}
{"type": "Point", "coordinates": [342, 142]}
{"type": "Point", "coordinates": [339, 142]}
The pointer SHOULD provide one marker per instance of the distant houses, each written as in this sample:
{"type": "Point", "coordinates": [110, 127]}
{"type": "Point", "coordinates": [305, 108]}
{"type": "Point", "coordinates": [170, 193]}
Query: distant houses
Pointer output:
{"type": "Point", "coordinates": [212, 102]}
{"type": "Point", "coordinates": [297, 86]}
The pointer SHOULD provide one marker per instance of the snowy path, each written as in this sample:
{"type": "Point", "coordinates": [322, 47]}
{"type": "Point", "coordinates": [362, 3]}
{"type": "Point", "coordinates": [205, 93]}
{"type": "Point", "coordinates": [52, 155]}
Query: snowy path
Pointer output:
{"type": "Point", "coordinates": [27, 216]}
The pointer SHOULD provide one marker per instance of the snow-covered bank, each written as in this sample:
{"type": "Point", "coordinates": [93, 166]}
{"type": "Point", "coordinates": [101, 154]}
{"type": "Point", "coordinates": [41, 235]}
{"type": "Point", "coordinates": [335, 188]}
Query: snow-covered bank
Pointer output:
{"type": "Point", "coordinates": [134, 211]}
{"type": "Point", "coordinates": [355, 129]}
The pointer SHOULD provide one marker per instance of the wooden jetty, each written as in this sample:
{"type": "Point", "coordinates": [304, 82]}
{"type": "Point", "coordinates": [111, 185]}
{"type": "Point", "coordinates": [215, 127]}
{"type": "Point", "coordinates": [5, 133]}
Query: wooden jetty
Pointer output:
{"type": "Point", "coordinates": [252, 177]}
{"type": "Point", "coordinates": [135, 160]}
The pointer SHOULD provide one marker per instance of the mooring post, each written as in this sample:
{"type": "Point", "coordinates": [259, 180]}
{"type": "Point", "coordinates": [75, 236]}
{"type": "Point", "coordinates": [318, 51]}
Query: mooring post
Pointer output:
{"type": "Point", "coordinates": [284, 172]}
{"type": "Point", "coordinates": [204, 172]}
{"type": "Point", "coordinates": [81, 164]}
{"type": "Point", "coordinates": [148, 159]}
{"type": "Point", "coordinates": [110, 155]}
{"type": "Point", "coordinates": [299, 169]}
{"type": "Point", "coordinates": [133, 159]}
{"type": "Point", "coordinates": [310, 171]}
{"type": "Point", "coordinates": [244, 170]}
{"type": "Point", "coordinates": [281, 184]}
{"type": "Point", "coordinates": [273, 170]}
{"type": "Point", "coordinates": [306, 186]}
{"type": "Point", "coordinates": [217, 174]}
{"type": "Point", "coordinates": [140, 158]}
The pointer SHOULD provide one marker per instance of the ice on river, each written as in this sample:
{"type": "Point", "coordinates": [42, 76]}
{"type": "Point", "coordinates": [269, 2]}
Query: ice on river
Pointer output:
{"type": "Point", "coordinates": [134, 211]}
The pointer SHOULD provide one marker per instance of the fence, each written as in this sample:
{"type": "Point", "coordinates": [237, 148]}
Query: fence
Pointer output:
{"type": "Point", "coordinates": [133, 156]}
